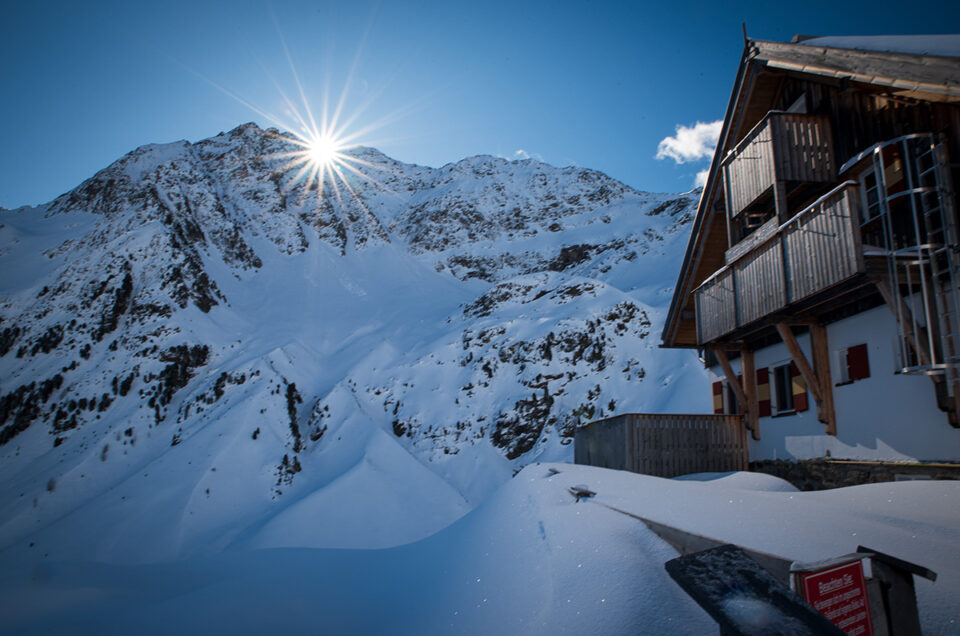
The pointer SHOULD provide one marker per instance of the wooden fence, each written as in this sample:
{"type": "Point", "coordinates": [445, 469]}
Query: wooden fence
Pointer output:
{"type": "Point", "coordinates": [664, 445]}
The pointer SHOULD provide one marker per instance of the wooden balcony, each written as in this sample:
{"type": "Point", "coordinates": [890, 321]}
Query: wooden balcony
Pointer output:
{"type": "Point", "coordinates": [783, 147]}
{"type": "Point", "coordinates": [810, 253]}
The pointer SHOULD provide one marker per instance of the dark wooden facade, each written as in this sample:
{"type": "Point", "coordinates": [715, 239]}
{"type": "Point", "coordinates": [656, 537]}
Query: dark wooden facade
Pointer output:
{"type": "Point", "coordinates": [783, 241]}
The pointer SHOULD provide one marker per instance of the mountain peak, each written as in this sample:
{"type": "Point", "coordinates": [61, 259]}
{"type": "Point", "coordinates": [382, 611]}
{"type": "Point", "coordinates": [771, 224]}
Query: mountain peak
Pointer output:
{"type": "Point", "coordinates": [195, 322]}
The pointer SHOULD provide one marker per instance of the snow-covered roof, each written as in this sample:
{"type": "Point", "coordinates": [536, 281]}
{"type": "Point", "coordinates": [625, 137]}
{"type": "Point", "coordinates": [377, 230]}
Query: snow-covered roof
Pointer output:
{"type": "Point", "coordinates": [947, 45]}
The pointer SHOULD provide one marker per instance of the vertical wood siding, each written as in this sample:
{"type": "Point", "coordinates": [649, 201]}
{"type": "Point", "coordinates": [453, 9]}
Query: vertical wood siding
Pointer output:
{"type": "Point", "coordinates": [748, 172]}
{"type": "Point", "coordinates": [814, 250]}
{"type": "Point", "coordinates": [782, 147]}
{"type": "Point", "coordinates": [822, 248]}
{"type": "Point", "coordinates": [664, 445]}
{"type": "Point", "coordinates": [803, 149]}
{"type": "Point", "coordinates": [716, 307]}
{"type": "Point", "coordinates": [759, 281]}
{"type": "Point", "coordinates": [862, 119]}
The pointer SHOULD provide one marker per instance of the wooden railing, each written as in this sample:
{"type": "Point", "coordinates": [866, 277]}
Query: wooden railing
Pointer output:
{"type": "Point", "coordinates": [664, 445]}
{"type": "Point", "coordinates": [716, 304]}
{"type": "Point", "coordinates": [814, 250]}
{"type": "Point", "coordinates": [782, 147]}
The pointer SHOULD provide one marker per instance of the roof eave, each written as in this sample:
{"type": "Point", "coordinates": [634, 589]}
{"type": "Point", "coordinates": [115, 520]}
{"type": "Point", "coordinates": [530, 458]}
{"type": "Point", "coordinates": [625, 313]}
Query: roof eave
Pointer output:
{"type": "Point", "coordinates": [680, 292]}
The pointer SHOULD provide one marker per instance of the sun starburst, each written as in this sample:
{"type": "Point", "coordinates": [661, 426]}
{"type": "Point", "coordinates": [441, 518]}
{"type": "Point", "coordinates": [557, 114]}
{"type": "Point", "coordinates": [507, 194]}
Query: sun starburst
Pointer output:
{"type": "Point", "coordinates": [320, 144]}
{"type": "Point", "coordinates": [323, 162]}
{"type": "Point", "coordinates": [324, 151]}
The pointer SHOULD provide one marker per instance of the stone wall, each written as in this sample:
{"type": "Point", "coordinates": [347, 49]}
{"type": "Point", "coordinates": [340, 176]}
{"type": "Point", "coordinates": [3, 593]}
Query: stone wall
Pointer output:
{"type": "Point", "coordinates": [820, 474]}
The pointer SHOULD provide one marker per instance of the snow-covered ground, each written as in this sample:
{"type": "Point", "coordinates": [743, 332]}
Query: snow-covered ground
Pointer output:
{"type": "Point", "coordinates": [530, 560]}
{"type": "Point", "coordinates": [232, 404]}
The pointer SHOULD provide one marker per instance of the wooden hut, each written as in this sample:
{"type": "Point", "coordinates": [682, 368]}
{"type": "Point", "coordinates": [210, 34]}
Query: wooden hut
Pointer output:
{"type": "Point", "coordinates": [821, 283]}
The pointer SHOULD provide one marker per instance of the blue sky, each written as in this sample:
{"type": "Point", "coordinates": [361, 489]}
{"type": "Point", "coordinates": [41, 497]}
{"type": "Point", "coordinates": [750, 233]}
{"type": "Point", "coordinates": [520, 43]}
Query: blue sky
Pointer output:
{"type": "Point", "coordinates": [596, 84]}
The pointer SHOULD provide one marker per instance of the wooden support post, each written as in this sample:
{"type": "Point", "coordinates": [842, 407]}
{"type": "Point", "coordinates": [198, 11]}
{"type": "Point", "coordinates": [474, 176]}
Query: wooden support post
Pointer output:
{"type": "Point", "coordinates": [780, 200]}
{"type": "Point", "coordinates": [750, 391]}
{"type": "Point", "coordinates": [821, 366]}
{"type": "Point", "coordinates": [734, 384]}
{"type": "Point", "coordinates": [728, 222]}
{"type": "Point", "coordinates": [898, 591]}
{"type": "Point", "coordinates": [953, 415]}
{"type": "Point", "coordinates": [801, 361]}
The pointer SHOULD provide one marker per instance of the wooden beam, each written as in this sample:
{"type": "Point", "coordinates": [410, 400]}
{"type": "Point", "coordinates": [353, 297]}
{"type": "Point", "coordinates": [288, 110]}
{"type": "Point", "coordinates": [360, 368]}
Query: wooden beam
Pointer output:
{"type": "Point", "coordinates": [821, 366]}
{"type": "Point", "coordinates": [750, 391]}
{"type": "Point", "coordinates": [734, 384]}
{"type": "Point", "coordinates": [731, 376]}
{"type": "Point", "coordinates": [801, 361]}
{"type": "Point", "coordinates": [726, 212]}
{"type": "Point", "coordinates": [780, 200]}
{"type": "Point", "coordinates": [953, 413]}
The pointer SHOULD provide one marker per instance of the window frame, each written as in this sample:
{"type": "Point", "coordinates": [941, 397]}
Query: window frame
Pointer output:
{"type": "Point", "coordinates": [781, 387]}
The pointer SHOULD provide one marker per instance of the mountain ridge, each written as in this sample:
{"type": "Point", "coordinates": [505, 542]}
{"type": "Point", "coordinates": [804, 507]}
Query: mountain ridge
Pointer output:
{"type": "Point", "coordinates": [191, 305]}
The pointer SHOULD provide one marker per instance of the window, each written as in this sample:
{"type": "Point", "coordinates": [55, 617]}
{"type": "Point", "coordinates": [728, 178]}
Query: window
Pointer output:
{"type": "Point", "coordinates": [725, 398]}
{"type": "Point", "coordinates": [853, 363]}
{"type": "Point", "coordinates": [782, 393]}
{"type": "Point", "coordinates": [789, 391]}
{"type": "Point", "coordinates": [879, 190]}
{"type": "Point", "coordinates": [799, 105]}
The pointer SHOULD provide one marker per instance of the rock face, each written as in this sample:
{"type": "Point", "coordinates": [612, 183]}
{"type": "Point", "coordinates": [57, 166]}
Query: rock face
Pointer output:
{"type": "Point", "coordinates": [196, 315]}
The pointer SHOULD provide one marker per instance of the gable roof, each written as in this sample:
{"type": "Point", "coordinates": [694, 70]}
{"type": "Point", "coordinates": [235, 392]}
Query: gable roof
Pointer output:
{"type": "Point", "coordinates": [901, 71]}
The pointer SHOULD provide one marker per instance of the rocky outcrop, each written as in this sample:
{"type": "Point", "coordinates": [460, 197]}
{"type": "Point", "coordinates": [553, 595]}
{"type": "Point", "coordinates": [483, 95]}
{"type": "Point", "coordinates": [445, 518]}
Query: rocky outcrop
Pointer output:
{"type": "Point", "coordinates": [168, 288]}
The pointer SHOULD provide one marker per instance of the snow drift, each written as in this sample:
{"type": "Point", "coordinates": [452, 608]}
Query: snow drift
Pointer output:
{"type": "Point", "coordinates": [530, 560]}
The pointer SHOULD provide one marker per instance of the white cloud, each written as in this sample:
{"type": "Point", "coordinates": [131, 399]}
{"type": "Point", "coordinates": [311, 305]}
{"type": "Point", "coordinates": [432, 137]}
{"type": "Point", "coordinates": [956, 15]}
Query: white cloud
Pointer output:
{"type": "Point", "coordinates": [691, 142]}
{"type": "Point", "coordinates": [701, 179]}
{"type": "Point", "coordinates": [523, 154]}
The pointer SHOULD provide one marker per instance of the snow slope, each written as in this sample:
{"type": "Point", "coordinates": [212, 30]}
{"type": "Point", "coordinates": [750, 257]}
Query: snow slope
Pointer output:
{"type": "Point", "coordinates": [199, 352]}
{"type": "Point", "coordinates": [529, 560]}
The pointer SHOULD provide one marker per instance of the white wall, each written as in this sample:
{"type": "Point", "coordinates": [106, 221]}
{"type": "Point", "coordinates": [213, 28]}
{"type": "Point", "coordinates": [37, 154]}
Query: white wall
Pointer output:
{"type": "Point", "coordinates": [883, 417]}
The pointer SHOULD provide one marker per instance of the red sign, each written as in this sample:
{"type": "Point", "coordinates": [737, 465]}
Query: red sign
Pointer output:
{"type": "Point", "coordinates": [840, 594]}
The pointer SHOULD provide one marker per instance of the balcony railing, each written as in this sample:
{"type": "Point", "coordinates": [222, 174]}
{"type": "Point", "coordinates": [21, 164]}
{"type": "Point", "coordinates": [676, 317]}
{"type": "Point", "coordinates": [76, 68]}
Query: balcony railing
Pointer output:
{"type": "Point", "coordinates": [814, 250]}
{"type": "Point", "coordinates": [782, 147]}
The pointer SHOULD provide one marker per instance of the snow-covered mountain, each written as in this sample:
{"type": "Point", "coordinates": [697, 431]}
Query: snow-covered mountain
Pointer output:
{"type": "Point", "coordinates": [198, 352]}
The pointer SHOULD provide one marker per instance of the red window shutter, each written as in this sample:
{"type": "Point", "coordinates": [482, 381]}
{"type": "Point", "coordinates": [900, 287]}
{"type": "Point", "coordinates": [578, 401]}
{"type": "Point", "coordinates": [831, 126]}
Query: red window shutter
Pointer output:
{"type": "Point", "coordinates": [799, 388]}
{"type": "Point", "coordinates": [718, 398]}
{"type": "Point", "coordinates": [858, 363]}
{"type": "Point", "coordinates": [763, 391]}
